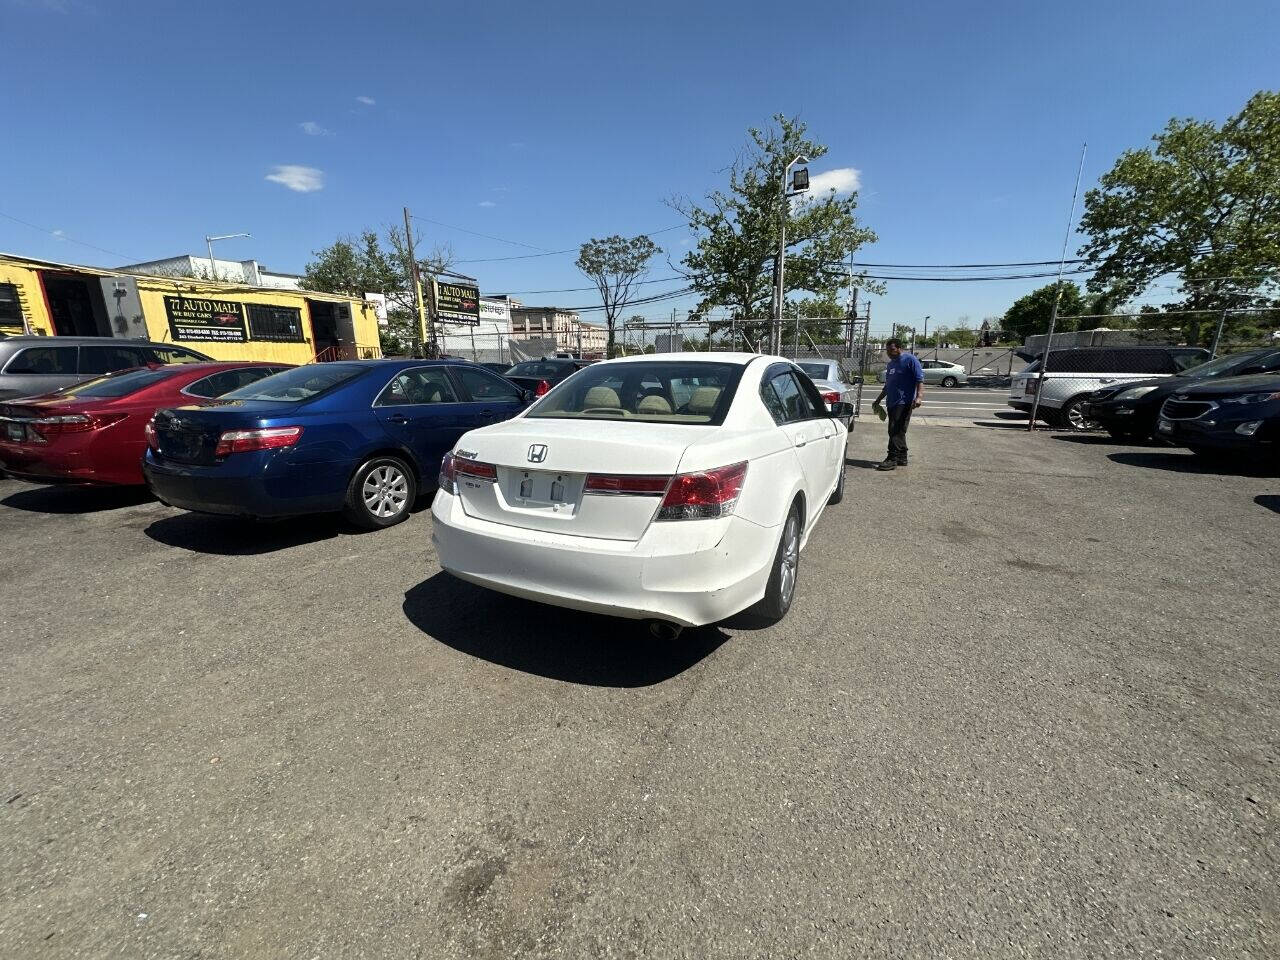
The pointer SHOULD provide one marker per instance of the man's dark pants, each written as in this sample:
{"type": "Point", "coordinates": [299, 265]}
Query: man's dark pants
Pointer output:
{"type": "Point", "coordinates": [899, 419]}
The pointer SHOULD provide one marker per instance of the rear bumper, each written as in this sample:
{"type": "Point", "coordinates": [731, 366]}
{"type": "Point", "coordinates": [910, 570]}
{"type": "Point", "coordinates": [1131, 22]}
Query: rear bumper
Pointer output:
{"type": "Point", "coordinates": [246, 494]}
{"type": "Point", "coordinates": [37, 463]}
{"type": "Point", "coordinates": [669, 574]}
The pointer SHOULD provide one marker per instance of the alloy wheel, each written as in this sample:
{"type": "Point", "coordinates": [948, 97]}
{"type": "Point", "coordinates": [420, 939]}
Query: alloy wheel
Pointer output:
{"type": "Point", "coordinates": [385, 491]}
{"type": "Point", "coordinates": [790, 560]}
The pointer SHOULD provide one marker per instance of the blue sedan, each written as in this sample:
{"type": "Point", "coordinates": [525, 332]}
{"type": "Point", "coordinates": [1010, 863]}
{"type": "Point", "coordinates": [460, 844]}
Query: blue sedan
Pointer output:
{"type": "Point", "coordinates": [361, 437]}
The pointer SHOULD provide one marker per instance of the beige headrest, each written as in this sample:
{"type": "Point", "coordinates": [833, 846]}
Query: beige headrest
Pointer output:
{"type": "Point", "coordinates": [602, 397]}
{"type": "Point", "coordinates": [704, 400]}
{"type": "Point", "coordinates": [653, 404]}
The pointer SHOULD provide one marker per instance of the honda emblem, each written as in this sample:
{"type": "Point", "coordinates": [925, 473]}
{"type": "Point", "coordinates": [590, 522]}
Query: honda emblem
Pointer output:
{"type": "Point", "coordinates": [537, 452]}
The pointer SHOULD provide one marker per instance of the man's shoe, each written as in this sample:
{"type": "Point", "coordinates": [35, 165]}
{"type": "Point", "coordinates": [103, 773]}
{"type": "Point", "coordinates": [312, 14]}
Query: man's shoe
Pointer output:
{"type": "Point", "coordinates": [902, 463]}
{"type": "Point", "coordinates": [887, 465]}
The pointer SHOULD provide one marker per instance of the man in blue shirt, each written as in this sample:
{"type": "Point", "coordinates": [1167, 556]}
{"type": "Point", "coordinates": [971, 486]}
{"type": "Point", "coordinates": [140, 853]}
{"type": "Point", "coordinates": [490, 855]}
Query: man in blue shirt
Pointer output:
{"type": "Point", "coordinates": [904, 391]}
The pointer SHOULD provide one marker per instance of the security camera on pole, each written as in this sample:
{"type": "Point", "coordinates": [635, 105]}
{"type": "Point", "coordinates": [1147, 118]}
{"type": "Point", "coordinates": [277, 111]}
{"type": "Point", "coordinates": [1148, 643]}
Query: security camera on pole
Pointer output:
{"type": "Point", "coordinates": [799, 185]}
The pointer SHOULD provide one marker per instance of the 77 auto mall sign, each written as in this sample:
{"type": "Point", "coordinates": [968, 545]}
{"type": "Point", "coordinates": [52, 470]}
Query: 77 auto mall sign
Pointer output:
{"type": "Point", "coordinates": [458, 303]}
{"type": "Point", "coordinates": [205, 318]}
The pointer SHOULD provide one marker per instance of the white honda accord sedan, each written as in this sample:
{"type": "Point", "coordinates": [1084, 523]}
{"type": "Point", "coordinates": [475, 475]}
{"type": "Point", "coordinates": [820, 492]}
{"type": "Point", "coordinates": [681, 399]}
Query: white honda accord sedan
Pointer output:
{"type": "Point", "coordinates": [678, 488]}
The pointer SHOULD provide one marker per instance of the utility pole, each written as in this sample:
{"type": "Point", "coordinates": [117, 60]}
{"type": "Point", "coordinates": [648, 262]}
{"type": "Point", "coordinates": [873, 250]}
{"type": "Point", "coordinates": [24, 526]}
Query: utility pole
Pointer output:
{"type": "Point", "coordinates": [1057, 299]}
{"type": "Point", "coordinates": [1222, 319]}
{"type": "Point", "coordinates": [426, 332]}
{"type": "Point", "coordinates": [779, 292]}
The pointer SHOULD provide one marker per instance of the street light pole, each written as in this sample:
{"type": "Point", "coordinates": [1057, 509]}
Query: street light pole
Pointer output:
{"type": "Point", "coordinates": [208, 242]}
{"type": "Point", "coordinates": [775, 326]}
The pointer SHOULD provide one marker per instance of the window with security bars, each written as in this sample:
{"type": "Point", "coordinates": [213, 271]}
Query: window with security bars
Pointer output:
{"type": "Point", "coordinates": [10, 306]}
{"type": "Point", "coordinates": [282, 324]}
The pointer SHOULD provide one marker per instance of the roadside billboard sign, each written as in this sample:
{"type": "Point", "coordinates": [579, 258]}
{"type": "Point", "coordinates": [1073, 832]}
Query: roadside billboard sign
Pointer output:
{"type": "Point", "coordinates": [205, 318]}
{"type": "Point", "coordinates": [458, 303]}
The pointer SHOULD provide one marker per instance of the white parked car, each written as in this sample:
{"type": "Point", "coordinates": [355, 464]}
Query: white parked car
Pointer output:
{"type": "Point", "coordinates": [677, 488]}
{"type": "Point", "coordinates": [826, 376]}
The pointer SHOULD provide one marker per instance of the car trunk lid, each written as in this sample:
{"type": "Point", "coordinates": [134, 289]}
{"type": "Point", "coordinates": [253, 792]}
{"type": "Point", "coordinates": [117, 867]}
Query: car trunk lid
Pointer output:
{"type": "Point", "coordinates": [543, 465]}
{"type": "Point", "coordinates": [190, 434]}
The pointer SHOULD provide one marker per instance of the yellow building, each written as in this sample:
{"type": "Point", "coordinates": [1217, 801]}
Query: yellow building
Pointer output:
{"type": "Point", "coordinates": [226, 321]}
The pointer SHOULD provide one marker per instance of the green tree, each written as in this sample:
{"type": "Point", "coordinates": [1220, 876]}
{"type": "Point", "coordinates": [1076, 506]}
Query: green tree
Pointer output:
{"type": "Point", "coordinates": [1202, 203]}
{"type": "Point", "coordinates": [1030, 315]}
{"type": "Point", "coordinates": [735, 258]}
{"type": "Point", "coordinates": [360, 265]}
{"type": "Point", "coordinates": [615, 265]}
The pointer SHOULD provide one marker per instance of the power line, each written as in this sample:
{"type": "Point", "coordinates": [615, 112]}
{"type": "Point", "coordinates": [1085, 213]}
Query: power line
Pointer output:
{"type": "Point", "coordinates": [548, 253]}
{"type": "Point", "coordinates": [530, 293]}
{"type": "Point", "coordinates": [487, 236]}
{"type": "Point", "coordinates": [62, 236]}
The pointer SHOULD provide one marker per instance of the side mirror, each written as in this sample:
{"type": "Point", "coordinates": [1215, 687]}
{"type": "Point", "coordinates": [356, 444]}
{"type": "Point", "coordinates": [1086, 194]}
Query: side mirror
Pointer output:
{"type": "Point", "coordinates": [528, 396]}
{"type": "Point", "coordinates": [841, 409]}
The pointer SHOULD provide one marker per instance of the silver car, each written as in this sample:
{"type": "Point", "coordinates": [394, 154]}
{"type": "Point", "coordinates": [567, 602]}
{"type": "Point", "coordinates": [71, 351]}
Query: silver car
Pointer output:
{"type": "Point", "coordinates": [825, 375]}
{"type": "Point", "coordinates": [940, 373]}
{"type": "Point", "coordinates": [34, 365]}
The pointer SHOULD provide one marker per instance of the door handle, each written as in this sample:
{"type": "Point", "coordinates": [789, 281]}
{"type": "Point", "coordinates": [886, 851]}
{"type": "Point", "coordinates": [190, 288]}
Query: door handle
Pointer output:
{"type": "Point", "coordinates": [801, 441]}
{"type": "Point", "coordinates": [488, 414]}
{"type": "Point", "coordinates": [397, 418]}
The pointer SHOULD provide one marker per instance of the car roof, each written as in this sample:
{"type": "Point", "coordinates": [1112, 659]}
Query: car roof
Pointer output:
{"type": "Point", "coordinates": [27, 338]}
{"type": "Point", "coordinates": [741, 359]}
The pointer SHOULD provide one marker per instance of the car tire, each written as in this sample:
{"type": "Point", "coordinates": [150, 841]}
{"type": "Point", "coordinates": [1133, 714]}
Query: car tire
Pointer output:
{"type": "Point", "coordinates": [838, 495]}
{"type": "Point", "coordinates": [950, 382]}
{"type": "Point", "coordinates": [381, 493]}
{"type": "Point", "coordinates": [781, 589]}
{"type": "Point", "coordinates": [1071, 418]}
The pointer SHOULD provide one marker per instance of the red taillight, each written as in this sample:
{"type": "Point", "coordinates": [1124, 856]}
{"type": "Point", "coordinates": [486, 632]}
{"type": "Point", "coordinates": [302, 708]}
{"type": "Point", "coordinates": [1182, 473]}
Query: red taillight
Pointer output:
{"type": "Point", "coordinates": [269, 438]}
{"type": "Point", "coordinates": [474, 468]}
{"type": "Point", "coordinates": [709, 493]}
{"type": "Point", "coordinates": [542, 388]}
{"type": "Point", "coordinates": [830, 397]}
{"type": "Point", "coordinates": [447, 474]}
{"type": "Point", "coordinates": [639, 485]}
{"type": "Point", "coordinates": [45, 429]}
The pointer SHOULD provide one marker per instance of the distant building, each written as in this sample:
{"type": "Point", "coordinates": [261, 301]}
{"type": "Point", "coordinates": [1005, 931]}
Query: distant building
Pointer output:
{"type": "Point", "coordinates": [567, 329]}
{"type": "Point", "coordinates": [228, 271]}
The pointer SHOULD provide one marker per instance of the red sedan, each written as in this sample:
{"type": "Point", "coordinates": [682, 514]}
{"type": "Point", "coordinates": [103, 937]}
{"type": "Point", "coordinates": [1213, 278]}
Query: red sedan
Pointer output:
{"type": "Point", "coordinates": [92, 433]}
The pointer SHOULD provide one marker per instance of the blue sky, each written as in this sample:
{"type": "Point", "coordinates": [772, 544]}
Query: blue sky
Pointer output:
{"type": "Point", "coordinates": [139, 127]}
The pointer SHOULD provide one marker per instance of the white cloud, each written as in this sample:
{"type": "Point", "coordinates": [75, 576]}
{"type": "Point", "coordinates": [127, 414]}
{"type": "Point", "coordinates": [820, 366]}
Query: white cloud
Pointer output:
{"type": "Point", "coordinates": [296, 178]}
{"type": "Point", "coordinates": [487, 203]}
{"type": "Point", "coordinates": [840, 180]}
{"type": "Point", "coordinates": [367, 101]}
{"type": "Point", "coordinates": [313, 129]}
{"type": "Point", "coordinates": [60, 234]}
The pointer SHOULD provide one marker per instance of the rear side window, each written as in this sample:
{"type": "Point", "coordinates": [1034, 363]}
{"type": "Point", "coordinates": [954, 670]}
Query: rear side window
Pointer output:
{"type": "Point", "coordinates": [109, 357]}
{"type": "Point", "coordinates": [46, 360]}
{"type": "Point", "coordinates": [796, 404]}
{"type": "Point", "coordinates": [483, 385]}
{"type": "Point", "coordinates": [417, 386]}
{"type": "Point", "coordinates": [215, 385]}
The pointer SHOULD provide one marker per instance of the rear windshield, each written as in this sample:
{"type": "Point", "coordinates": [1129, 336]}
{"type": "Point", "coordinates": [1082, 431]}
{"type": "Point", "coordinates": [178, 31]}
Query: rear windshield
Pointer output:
{"type": "Point", "coordinates": [667, 391]}
{"type": "Point", "coordinates": [116, 384]}
{"type": "Point", "coordinates": [815, 371]}
{"type": "Point", "coordinates": [541, 368]}
{"type": "Point", "coordinates": [298, 384]}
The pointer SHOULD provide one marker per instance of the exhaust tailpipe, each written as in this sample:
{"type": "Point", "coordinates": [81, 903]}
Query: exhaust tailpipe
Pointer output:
{"type": "Point", "coordinates": [664, 630]}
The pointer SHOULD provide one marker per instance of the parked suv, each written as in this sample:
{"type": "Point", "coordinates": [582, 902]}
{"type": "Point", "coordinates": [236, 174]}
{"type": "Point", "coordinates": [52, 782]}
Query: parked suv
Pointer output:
{"type": "Point", "coordinates": [35, 365]}
{"type": "Point", "coordinates": [1235, 415]}
{"type": "Point", "coordinates": [1076, 372]}
{"type": "Point", "coordinates": [1128, 411]}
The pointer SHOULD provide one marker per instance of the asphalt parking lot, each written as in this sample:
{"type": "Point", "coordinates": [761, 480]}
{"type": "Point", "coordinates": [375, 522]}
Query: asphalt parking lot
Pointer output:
{"type": "Point", "coordinates": [1025, 705]}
